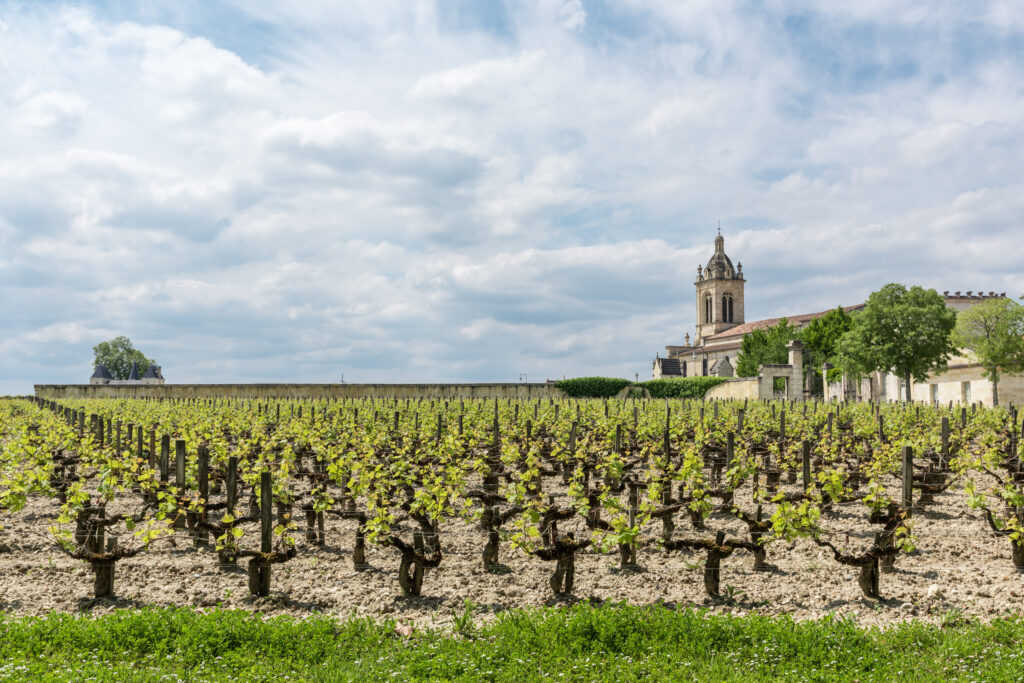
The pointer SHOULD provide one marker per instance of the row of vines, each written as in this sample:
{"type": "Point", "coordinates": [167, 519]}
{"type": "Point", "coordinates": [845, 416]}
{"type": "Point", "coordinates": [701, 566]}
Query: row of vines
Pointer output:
{"type": "Point", "coordinates": [255, 480]}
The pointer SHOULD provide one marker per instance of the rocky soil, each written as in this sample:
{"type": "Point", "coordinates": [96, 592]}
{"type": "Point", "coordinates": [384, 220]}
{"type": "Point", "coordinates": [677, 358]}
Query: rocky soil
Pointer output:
{"type": "Point", "coordinates": [960, 570]}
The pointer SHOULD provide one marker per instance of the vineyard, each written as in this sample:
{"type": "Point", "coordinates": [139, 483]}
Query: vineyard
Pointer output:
{"type": "Point", "coordinates": [411, 509]}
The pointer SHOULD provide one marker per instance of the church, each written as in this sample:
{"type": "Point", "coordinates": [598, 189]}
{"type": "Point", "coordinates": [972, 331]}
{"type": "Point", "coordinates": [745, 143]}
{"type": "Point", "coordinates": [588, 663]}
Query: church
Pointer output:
{"type": "Point", "coordinates": [721, 326]}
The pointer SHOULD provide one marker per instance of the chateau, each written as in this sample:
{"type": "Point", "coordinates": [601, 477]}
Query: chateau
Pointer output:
{"type": "Point", "coordinates": [721, 326]}
{"type": "Point", "coordinates": [720, 322]}
{"type": "Point", "coordinates": [153, 375]}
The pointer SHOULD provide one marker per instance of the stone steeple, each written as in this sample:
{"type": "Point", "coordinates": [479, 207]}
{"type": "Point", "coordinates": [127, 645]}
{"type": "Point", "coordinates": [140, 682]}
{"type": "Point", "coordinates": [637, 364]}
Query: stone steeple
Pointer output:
{"type": "Point", "coordinates": [719, 293]}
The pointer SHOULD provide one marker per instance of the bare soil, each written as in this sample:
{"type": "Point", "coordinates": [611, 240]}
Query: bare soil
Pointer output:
{"type": "Point", "coordinates": [960, 568]}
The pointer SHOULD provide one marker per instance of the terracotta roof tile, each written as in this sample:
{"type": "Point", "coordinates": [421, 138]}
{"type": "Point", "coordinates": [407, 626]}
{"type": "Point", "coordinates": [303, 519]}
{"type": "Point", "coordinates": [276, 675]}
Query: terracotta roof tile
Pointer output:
{"type": "Point", "coordinates": [747, 328]}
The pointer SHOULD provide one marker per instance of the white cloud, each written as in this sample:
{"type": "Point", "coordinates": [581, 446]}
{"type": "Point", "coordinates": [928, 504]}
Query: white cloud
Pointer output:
{"type": "Point", "coordinates": [389, 194]}
{"type": "Point", "coordinates": [488, 75]}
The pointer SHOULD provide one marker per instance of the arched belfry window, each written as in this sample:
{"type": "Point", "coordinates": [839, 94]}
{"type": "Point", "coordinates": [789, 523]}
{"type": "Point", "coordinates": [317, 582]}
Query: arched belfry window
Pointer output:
{"type": "Point", "coordinates": [708, 309]}
{"type": "Point", "coordinates": [727, 310]}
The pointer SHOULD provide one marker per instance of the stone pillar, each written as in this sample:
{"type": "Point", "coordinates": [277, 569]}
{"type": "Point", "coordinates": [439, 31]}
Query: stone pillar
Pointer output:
{"type": "Point", "coordinates": [796, 361]}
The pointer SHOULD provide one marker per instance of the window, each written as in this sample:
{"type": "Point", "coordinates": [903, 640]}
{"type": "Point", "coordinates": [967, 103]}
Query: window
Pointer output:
{"type": "Point", "coordinates": [727, 308]}
{"type": "Point", "coordinates": [684, 368]}
{"type": "Point", "coordinates": [704, 367]}
{"type": "Point", "coordinates": [708, 309]}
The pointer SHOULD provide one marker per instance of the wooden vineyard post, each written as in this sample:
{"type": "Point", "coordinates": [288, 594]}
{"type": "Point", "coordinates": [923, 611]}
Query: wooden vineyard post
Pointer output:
{"type": "Point", "coordinates": [740, 414]}
{"type": "Point", "coordinates": [791, 475]}
{"type": "Point", "coordinates": [830, 424]}
{"type": "Point", "coordinates": [908, 478]}
{"type": "Point", "coordinates": [567, 466]}
{"type": "Point", "coordinates": [201, 537]}
{"type": "Point", "coordinates": [227, 558]}
{"type": "Point", "coordinates": [944, 453]}
{"type": "Point", "coordinates": [963, 418]}
{"type": "Point", "coordinates": [103, 570]}
{"type": "Point", "coordinates": [634, 503]}
{"type": "Point", "coordinates": [259, 570]}
{"type": "Point", "coordinates": [179, 481]}
{"type": "Point", "coordinates": [881, 428]}
{"type": "Point", "coordinates": [165, 456]}
{"type": "Point", "coordinates": [806, 462]}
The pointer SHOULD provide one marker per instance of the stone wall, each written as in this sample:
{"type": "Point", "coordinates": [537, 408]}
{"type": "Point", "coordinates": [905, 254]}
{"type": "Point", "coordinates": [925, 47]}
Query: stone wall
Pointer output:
{"type": "Point", "coordinates": [738, 388]}
{"type": "Point", "coordinates": [959, 384]}
{"type": "Point", "coordinates": [515, 391]}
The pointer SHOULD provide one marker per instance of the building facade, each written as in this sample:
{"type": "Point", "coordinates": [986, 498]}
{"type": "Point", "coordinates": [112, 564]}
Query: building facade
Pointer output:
{"type": "Point", "coordinates": [721, 326]}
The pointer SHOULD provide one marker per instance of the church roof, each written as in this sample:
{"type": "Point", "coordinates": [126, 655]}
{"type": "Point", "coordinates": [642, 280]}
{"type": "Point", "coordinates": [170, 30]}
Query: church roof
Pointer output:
{"type": "Point", "coordinates": [153, 372]}
{"type": "Point", "coordinates": [101, 372]}
{"type": "Point", "coordinates": [747, 328]}
{"type": "Point", "coordinates": [720, 265]}
{"type": "Point", "coordinates": [135, 371]}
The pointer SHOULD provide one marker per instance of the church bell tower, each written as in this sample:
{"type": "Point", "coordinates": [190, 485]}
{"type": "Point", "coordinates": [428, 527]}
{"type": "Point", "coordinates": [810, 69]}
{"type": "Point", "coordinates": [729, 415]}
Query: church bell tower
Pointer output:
{"type": "Point", "coordinates": [719, 293]}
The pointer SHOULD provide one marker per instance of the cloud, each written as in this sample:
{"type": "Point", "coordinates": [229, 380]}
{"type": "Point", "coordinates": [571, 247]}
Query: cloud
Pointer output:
{"type": "Point", "coordinates": [417, 191]}
{"type": "Point", "coordinates": [483, 78]}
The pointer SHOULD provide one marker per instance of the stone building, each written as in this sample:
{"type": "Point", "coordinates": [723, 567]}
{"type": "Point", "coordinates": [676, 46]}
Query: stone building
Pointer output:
{"type": "Point", "coordinates": [153, 375]}
{"type": "Point", "coordinates": [721, 324]}
{"type": "Point", "coordinates": [720, 328]}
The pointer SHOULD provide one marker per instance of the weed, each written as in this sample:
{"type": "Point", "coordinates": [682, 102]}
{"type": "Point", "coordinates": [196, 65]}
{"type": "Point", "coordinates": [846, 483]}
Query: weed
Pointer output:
{"type": "Point", "coordinates": [463, 623]}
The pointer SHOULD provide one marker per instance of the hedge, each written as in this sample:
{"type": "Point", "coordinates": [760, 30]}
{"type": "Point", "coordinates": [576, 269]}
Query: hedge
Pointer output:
{"type": "Point", "coordinates": [606, 387]}
{"type": "Point", "coordinates": [592, 387]}
{"type": "Point", "coordinates": [681, 387]}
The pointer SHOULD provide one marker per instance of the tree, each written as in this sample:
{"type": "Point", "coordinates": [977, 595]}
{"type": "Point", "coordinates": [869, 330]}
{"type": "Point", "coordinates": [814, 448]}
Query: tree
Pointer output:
{"type": "Point", "coordinates": [764, 347]}
{"type": "Point", "coordinates": [907, 332]}
{"type": "Point", "coordinates": [821, 338]}
{"type": "Point", "coordinates": [994, 331]}
{"type": "Point", "coordinates": [117, 355]}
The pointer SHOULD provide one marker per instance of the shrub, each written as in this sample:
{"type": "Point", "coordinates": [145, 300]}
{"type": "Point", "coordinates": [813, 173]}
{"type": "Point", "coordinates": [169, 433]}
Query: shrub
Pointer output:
{"type": "Point", "coordinates": [592, 387]}
{"type": "Point", "coordinates": [681, 387]}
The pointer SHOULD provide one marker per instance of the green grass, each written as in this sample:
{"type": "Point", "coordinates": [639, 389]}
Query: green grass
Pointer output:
{"type": "Point", "coordinates": [582, 643]}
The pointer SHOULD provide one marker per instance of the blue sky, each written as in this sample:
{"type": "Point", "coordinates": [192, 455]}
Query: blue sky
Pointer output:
{"type": "Point", "coordinates": [429, 191]}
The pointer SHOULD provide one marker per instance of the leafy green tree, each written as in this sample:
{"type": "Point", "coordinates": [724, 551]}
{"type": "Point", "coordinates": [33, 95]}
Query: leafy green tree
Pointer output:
{"type": "Point", "coordinates": [821, 338]}
{"type": "Point", "coordinates": [117, 355]}
{"type": "Point", "coordinates": [907, 332]}
{"type": "Point", "coordinates": [764, 347]}
{"type": "Point", "coordinates": [994, 331]}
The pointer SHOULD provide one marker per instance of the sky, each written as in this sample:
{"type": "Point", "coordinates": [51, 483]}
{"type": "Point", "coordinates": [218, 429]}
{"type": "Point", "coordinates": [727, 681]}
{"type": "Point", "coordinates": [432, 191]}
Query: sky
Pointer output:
{"type": "Point", "coordinates": [476, 190]}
